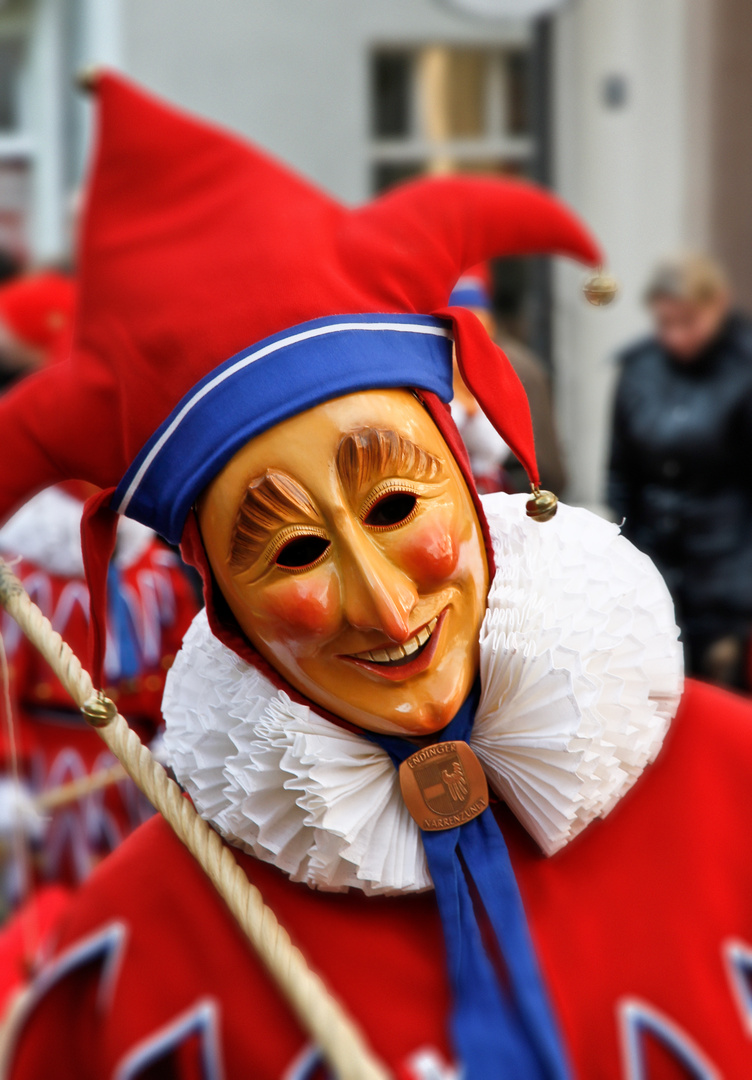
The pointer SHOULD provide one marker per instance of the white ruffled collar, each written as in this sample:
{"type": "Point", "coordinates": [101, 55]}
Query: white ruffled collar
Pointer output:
{"type": "Point", "coordinates": [581, 673]}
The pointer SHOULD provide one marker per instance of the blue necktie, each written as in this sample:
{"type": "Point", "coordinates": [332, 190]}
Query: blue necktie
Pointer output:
{"type": "Point", "coordinates": [503, 1026]}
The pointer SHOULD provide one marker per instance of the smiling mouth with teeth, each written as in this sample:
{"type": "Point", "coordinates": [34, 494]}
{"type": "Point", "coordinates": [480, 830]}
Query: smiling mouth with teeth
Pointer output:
{"type": "Point", "coordinates": [400, 661]}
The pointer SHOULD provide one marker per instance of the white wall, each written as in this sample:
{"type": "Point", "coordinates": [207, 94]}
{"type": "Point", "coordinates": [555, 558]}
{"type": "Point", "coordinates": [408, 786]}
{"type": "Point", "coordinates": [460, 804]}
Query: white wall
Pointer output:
{"type": "Point", "coordinates": [629, 172]}
{"type": "Point", "coordinates": [290, 74]}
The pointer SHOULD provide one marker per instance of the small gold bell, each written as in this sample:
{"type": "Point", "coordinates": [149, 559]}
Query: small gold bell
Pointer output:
{"type": "Point", "coordinates": [600, 288]}
{"type": "Point", "coordinates": [542, 506]}
{"type": "Point", "coordinates": [99, 710]}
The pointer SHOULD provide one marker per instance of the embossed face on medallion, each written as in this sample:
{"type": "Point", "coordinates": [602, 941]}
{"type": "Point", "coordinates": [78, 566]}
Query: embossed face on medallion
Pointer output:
{"type": "Point", "coordinates": [347, 545]}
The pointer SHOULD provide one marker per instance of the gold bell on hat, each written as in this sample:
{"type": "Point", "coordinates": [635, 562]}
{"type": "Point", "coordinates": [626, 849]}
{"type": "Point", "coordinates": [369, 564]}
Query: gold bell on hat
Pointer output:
{"type": "Point", "coordinates": [600, 288]}
{"type": "Point", "coordinates": [542, 506]}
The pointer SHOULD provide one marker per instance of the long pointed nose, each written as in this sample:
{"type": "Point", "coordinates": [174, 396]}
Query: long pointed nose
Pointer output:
{"type": "Point", "coordinates": [377, 595]}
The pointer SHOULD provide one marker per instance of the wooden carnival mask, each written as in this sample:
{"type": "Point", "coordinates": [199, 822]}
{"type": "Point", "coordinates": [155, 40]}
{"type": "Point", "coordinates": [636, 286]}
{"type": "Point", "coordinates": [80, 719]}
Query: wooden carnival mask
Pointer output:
{"type": "Point", "coordinates": [346, 544]}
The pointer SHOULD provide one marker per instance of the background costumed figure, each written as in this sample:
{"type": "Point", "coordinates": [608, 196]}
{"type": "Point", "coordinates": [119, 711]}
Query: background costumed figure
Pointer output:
{"type": "Point", "coordinates": [151, 604]}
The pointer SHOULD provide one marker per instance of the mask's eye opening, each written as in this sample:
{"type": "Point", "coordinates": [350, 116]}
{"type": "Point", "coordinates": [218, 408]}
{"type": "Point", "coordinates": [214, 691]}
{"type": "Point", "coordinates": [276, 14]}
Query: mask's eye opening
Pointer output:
{"type": "Point", "coordinates": [301, 552]}
{"type": "Point", "coordinates": [392, 509]}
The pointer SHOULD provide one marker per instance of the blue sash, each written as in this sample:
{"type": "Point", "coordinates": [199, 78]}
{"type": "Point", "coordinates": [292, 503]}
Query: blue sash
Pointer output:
{"type": "Point", "coordinates": [502, 1022]}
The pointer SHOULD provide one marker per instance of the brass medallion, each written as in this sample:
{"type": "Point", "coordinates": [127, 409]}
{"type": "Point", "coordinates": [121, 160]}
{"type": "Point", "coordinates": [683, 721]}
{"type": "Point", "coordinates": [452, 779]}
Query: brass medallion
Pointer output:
{"type": "Point", "coordinates": [443, 786]}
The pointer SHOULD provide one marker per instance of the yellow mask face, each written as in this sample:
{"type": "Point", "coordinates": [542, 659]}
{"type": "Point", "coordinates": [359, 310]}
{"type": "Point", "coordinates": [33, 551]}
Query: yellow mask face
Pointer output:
{"type": "Point", "coordinates": [347, 546]}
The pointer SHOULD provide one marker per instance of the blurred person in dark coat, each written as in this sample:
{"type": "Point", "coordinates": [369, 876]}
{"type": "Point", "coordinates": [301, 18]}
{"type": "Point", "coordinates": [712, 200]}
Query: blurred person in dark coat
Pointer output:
{"type": "Point", "coordinates": [680, 459]}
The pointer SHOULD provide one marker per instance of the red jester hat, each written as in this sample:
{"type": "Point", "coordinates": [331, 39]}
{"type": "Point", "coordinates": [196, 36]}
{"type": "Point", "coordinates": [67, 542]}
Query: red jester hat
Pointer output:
{"type": "Point", "coordinates": [220, 293]}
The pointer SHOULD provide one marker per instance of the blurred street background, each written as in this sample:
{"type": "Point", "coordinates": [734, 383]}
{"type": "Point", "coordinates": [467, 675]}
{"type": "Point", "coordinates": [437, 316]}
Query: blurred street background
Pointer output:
{"type": "Point", "coordinates": [636, 111]}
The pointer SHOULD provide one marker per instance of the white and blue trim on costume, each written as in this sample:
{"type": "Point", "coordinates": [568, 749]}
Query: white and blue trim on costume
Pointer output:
{"type": "Point", "coordinates": [639, 1020]}
{"type": "Point", "coordinates": [202, 1021]}
{"type": "Point", "coordinates": [103, 950]}
{"type": "Point", "coordinates": [738, 957]}
{"type": "Point", "coordinates": [270, 382]}
{"type": "Point", "coordinates": [307, 1063]}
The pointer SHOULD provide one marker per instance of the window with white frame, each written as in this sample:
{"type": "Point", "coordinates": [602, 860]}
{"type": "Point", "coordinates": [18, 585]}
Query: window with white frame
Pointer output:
{"type": "Point", "coordinates": [440, 109]}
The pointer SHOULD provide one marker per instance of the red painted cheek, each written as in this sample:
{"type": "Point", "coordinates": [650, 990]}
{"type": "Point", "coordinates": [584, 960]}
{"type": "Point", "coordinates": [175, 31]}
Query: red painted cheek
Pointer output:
{"type": "Point", "coordinates": [431, 552]}
{"type": "Point", "coordinates": [301, 607]}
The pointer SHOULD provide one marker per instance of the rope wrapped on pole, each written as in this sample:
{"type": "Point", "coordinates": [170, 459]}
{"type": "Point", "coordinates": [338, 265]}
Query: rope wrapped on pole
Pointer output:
{"type": "Point", "coordinates": [323, 1017]}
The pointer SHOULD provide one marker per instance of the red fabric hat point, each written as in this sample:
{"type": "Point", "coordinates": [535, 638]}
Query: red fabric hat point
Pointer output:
{"type": "Point", "coordinates": [196, 246]}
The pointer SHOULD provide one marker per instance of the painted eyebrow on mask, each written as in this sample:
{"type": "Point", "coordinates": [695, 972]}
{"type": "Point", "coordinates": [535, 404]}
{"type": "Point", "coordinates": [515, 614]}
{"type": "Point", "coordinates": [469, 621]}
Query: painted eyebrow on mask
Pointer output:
{"type": "Point", "coordinates": [370, 453]}
{"type": "Point", "coordinates": [270, 502]}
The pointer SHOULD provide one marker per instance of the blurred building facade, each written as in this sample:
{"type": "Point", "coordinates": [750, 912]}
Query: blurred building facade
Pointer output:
{"type": "Point", "coordinates": [633, 109]}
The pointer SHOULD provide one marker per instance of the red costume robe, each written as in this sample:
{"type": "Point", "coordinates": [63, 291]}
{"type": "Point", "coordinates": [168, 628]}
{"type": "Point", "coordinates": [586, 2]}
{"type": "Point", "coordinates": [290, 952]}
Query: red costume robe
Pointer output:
{"type": "Point", "coordinates": [643, 927]}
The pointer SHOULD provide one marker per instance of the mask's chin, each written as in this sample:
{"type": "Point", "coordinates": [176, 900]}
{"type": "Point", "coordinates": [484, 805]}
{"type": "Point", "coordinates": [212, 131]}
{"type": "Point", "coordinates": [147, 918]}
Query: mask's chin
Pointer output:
{"type": "Point", "coordinates": [419, 712]}
{"type": "Point", "coordinates": [432, 718]}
